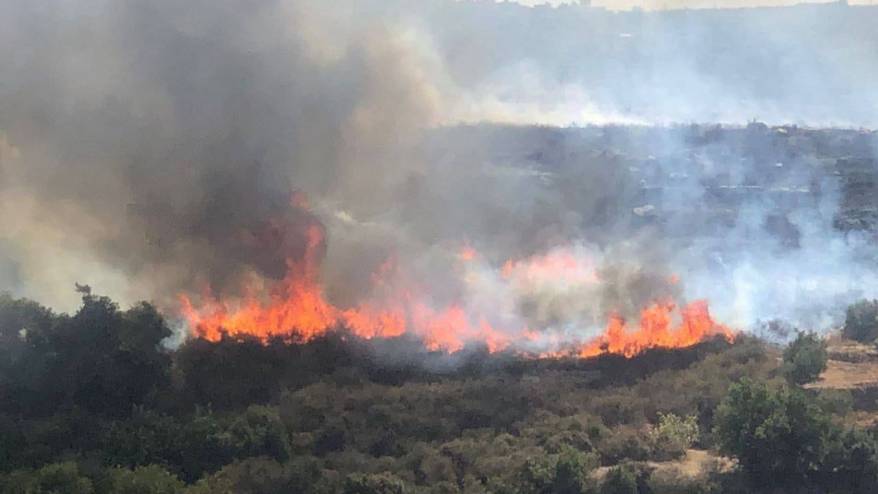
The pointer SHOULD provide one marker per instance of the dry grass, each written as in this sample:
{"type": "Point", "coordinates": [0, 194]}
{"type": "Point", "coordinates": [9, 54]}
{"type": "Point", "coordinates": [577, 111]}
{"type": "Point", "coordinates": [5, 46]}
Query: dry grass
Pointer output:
{"type": "Point", "coordinates": [696, 463]}
{"type": "Point", "coordinates": [847, 375]}
{"type": "Point", "coordinates": [851, 365]}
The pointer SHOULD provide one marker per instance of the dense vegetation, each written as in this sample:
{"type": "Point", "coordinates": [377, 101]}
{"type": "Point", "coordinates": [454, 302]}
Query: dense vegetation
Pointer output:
{"type": "Point", "coordinates": [94, 403]}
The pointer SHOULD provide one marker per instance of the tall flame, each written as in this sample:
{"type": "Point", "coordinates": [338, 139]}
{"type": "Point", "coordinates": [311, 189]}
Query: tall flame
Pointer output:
{"type": "Point", "coordinates": [296, 308]}
{"type": "Point", "coordinates": [656, 331]}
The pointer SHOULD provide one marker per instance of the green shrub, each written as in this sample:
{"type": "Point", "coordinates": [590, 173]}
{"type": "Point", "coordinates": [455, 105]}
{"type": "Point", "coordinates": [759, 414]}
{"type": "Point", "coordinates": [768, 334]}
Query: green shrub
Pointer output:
{"type": "Point", "coordinates": [621, 479]}
{"type": "Point", "coordinates": [835, 401]}
{"type": "Point", "coordinates": [778, 437]}
{"type": "Point", "coordinates": [673, 435]}
{"type": "Point", "coordinates": [260, 432]}
{"type": "Point", "coordinates": [566, 473]}
{"type": "Point", "coordinates": [804, 359]}
{"type": "Point", "coordinates": [572, 472]}
{"type": "Point", "coordinates": [850, 463]}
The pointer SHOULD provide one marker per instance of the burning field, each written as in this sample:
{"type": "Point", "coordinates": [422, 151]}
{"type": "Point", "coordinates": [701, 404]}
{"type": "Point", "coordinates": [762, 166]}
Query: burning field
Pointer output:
{"type": "Point", "coordinates": [436, 247]}
{"type": "Point", "coordinates": [376, 185]}
{"type": "Point", "coordinates": [295, 308]}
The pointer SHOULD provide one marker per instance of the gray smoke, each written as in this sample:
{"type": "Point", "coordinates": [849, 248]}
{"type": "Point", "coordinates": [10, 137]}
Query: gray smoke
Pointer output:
{"type": "Point", "coordinates": [155, 148]}
{"type": "Point", "coordinates": [160, 146]}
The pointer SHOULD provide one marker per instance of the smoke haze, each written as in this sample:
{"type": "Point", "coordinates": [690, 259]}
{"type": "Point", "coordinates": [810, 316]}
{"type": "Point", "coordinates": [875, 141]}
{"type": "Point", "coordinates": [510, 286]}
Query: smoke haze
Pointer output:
{"type": "Point", "coordinates": [164, 148]}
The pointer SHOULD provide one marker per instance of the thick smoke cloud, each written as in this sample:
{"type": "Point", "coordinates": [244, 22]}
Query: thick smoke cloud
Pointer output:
{"type": "Point", "coordinates": [163, 143]}
{"type": "Point", "coordinates": [149, 149]}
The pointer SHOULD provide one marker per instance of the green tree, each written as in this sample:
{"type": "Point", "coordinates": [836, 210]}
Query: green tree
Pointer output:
{"type": "Point", "coordinates": [778, 437]}
{"type": "Point", "coordinates": [25, 354]}
{"type": "Point", "coordinates": [804, 359]}
{"type": "Point", "coordinates": [108, 360]}
{"type": "Point", "coordinates": [861, 321]}
{"type": "Point", "coordinates": [673, 435]}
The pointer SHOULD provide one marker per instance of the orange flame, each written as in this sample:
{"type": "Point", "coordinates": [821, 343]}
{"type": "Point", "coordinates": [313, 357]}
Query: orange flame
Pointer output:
{"type": "Point", "coordinates": [295, 308]}
{"type": "Point", "coordinates": [559, 265]}
{"type": "Point", "coordinates": [467, 253]}
{"type": "Point", "coordinates": [655, 331]}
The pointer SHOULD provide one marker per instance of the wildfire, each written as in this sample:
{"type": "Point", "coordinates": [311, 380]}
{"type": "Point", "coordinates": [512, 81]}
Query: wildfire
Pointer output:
{"type": "Point", "coordinates": [656, 331]}
{"type": "Point", "coordinates": [467, 253]}
{"type": "Point", "coordinates": [557, 266]}
{"type": "Point", "coordinates": [296, 308]}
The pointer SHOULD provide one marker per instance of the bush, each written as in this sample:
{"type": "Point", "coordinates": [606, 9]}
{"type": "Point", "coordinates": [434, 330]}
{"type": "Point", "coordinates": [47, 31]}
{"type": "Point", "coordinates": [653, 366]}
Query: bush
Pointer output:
{"type": "Point", "coordinates": [568, 473]}
{"type": "Point", "coordinates": [144, 438]}
{"type": "Point", "coordinates": [572, 472]}
{"type": "Point", "coordinates": [804, 359]}
{"type": "Point", "coordinates": [779, 437]}
{"type": "Point", "coordinates": [673, 435]}
{"type": "Point", "coordinates": [861, 323]}
{"type": "Point", "coordinates": [259, 432]}
{"type": "Point", "coordinates": [202, 446]}
{"type": "Point", "coordinates": [838, 402]}
{"type": "Point", "coordinates": [624, 443]}
{"type": "Point", "coordinates": [851, 462]}
{"type": "Point", "coordinates": [621, 479]}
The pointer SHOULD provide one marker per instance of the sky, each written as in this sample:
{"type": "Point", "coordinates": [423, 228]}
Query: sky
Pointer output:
{"type": "Point", "coordinates": [679, 4]}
